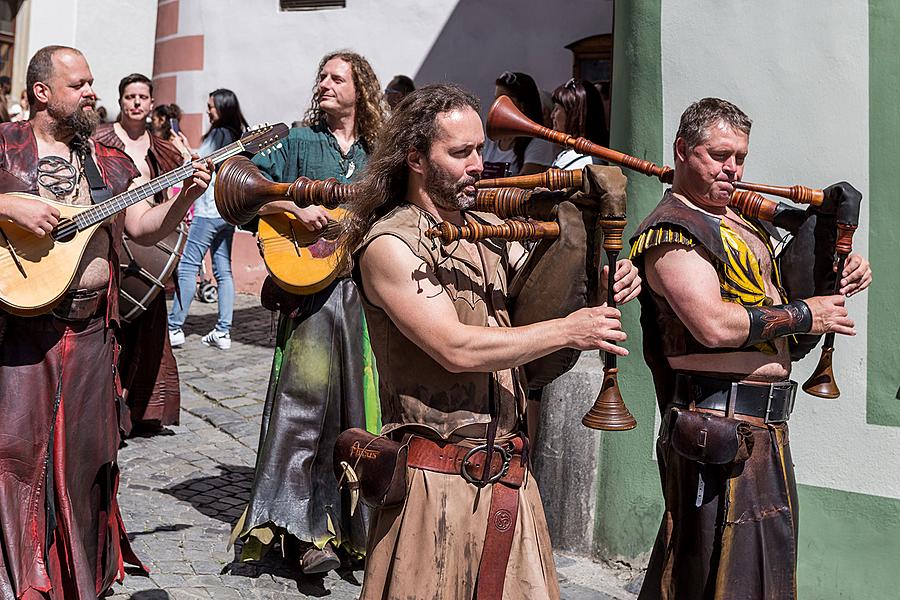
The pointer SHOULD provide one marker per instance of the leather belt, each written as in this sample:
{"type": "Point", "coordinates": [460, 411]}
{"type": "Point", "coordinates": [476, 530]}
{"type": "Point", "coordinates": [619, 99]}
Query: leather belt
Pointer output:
{"type": "Point", "coordinates": [80, 305]}
{"type": "Point", "coordinates": [772, 402]}
{"type": "Point", "coordinates": [507, 472]}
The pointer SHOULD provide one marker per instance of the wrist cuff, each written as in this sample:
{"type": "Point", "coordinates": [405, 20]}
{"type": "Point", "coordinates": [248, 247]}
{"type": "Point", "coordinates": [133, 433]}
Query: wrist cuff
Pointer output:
{"type": "Point", "coordinates": [770, 322]}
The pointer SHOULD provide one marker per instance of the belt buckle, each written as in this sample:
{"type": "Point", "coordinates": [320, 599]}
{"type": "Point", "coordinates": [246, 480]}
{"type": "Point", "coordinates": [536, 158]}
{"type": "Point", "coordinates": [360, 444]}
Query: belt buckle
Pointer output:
{"type": "Point", "coordinates": [769, 404]}
{"type": "Point", "coordinates": [464, 468]}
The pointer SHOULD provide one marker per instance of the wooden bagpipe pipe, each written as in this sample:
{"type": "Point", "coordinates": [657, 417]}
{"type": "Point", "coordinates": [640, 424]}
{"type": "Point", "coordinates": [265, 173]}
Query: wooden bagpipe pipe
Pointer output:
{"type": "Point", "coordinates": [821, 237]}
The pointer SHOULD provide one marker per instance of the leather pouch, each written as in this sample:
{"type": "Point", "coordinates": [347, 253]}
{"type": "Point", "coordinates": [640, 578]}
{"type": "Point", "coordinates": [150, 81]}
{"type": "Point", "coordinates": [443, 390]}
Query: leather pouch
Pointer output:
{"type": "Point", "coordinates": [377, 462]}
{"type": "Point", "coordinates": [709, 439]}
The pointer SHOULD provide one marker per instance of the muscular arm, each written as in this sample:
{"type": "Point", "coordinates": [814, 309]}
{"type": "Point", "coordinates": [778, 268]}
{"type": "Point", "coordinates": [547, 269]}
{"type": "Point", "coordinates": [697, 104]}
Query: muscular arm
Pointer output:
{"type": "Point", "coordinates": [396, 280]}
{"type": "Point", "coordinates": [690, 284]}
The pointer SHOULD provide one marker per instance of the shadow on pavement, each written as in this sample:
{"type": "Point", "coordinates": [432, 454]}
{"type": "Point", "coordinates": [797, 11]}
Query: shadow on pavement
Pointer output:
{"type": "Point", "coordinates": [221, 497]}
{"type": "Point", "coordinates": [285, 568]}
{"type": "Point", "coordinates": [150, 595]}
{"type": "Point", "coordinates": [251, 325]}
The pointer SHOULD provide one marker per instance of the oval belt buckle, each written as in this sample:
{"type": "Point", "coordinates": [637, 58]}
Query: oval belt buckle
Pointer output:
{"type": "Point", "coordinates": [464, 469]}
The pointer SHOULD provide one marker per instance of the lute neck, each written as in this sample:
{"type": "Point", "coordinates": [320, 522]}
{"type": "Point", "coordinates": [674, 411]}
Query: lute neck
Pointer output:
{"type": "Point", "coordinates": [101, 212]}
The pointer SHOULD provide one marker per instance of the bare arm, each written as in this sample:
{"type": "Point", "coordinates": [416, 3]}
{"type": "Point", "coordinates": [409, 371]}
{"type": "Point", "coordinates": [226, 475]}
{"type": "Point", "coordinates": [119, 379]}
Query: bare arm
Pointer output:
{"type": "Point", "coordinates": [690, 284]}
{"type": "Point", "coordinates": [396, 280]}
{"type": "Point", "coordinates": [148, 224]}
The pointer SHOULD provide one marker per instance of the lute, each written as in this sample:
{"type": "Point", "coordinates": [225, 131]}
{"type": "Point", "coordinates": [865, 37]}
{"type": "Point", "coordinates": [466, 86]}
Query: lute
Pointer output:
{"type": "Point", "coordinates": [35, 272]}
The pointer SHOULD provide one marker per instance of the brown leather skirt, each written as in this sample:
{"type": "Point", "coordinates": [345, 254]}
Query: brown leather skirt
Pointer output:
{"type": "Point", "coordinates": [62, 534]}
{"type": "Point", "coordinates": [741, 542]}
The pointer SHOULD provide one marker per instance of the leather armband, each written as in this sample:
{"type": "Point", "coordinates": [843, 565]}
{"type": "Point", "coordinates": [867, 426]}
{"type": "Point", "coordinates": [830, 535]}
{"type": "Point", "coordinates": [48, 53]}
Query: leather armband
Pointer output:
{"type": "Point", "coordinates": [770, 322]}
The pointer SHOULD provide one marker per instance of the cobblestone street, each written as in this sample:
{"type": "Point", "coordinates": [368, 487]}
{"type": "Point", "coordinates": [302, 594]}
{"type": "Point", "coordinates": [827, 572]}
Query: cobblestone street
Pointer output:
{"type": "Point", "coordinates": [182, 490]}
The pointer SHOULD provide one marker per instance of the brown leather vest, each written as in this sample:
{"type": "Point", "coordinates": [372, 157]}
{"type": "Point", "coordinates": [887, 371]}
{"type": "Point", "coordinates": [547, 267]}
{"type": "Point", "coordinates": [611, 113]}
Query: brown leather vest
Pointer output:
{"type": "Point", "coordinates": [416, 392]}
{"type": "Point", "coordinates": [18, 173]}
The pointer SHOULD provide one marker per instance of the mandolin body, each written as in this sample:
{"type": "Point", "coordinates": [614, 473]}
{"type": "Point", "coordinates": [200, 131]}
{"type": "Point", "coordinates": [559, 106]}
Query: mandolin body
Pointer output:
{"type": "Point", "coordinates": [45, 268]}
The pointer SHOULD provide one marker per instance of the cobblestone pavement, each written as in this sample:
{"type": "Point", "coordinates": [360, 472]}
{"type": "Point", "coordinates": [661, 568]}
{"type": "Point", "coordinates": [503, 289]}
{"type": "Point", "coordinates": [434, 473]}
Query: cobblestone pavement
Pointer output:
{"type": "Point", "coordinates": [182, 490]}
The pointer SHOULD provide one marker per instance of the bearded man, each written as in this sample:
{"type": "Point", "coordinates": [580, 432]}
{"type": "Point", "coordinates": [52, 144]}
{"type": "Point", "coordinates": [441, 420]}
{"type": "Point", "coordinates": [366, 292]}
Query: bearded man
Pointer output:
{"type": "Point", "coordinates": [62, 534]}
{"type": "Point", "coordinates": [448, 364]}
{"type": "Point", "coordinates": [150, 385]}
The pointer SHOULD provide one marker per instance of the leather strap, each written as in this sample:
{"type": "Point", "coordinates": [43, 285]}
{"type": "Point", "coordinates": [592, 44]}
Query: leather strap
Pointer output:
{"type": "Point", "coordinates": [771, 402]}
{"type": "Point", "coordinates": [498, 539]}
{"type": "Point", "coordinates": [99, 191]}
{"type": "Point", "coordinates": [504, 510]}
{"type": "Point", "coordinates": [80, 305]}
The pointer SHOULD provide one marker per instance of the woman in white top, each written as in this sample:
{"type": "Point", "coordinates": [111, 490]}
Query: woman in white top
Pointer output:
{"type": "Point", "coordinates": [519, 155]}
{"type": "Point", "coordinates": [578, 111]}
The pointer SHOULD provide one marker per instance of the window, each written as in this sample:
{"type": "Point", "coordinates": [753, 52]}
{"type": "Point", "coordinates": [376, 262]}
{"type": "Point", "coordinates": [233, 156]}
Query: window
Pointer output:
{"type": "Point", "coordinates": [311, 4]}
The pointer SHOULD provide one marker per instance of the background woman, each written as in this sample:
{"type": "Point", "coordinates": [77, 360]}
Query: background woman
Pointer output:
{"type": "Point", "coordinates": [209, 231]}
{"type": "Point", "coordinates": [578, 111]}
{"type": "Point", "coordinates": [519, 155]}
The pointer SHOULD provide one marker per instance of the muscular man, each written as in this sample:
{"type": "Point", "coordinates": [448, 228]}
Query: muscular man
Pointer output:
{"type": "Point", "coordinates": [717, 329]}
{"type": "Point", "coordinates": [322, 375]}
{"type": "Point", "coordinates": [149, 372]}
{"type": "Point", "coordinates": [62, 535]}
{"type": "Point", "coordinates": [448, 362]}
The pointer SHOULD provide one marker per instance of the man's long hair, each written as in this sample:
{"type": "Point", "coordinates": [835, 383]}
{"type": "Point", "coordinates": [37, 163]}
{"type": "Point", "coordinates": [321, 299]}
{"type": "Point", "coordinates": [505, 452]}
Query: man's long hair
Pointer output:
{"type": "Point", "coordinates": [412, 125]}
{"type": "Point", "coordinates": [370, 105]}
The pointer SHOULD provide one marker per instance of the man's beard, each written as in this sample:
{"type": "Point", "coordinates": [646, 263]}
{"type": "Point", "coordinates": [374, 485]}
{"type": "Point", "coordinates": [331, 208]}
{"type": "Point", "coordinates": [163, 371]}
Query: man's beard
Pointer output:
{"type": "Point", "coordinates": [80, 122]}
{"type": "Point", "coordinates": [447, 192]}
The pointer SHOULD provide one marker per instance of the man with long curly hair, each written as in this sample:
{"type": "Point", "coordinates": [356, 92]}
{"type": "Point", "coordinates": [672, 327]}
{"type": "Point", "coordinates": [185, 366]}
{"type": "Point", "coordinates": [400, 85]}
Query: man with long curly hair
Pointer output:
{"type": "Point", "coordinates": [448, 365]}
{"type": "Point", "coordinates": [322, 378]}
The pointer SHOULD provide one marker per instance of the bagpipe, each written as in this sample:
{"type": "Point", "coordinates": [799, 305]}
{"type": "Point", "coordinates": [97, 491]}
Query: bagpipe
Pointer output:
{"type": "Point", "coordinates": [821, 235]}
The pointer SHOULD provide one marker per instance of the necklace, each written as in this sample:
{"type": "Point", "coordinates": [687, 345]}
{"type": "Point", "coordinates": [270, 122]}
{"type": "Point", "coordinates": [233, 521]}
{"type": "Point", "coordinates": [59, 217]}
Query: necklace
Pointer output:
{"type": "Point", "coordinates": [58, 175]}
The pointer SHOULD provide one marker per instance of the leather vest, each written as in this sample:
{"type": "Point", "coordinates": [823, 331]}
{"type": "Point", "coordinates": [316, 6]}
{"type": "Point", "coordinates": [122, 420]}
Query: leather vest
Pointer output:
{"type": "Point", "coordinates": [18, 173]}
{"type": "Point", "coordinates": [417, 393]}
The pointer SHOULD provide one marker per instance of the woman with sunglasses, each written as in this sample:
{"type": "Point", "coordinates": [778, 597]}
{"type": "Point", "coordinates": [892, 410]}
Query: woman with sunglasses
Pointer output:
{"type": "Point", "coordinates": [518, 155]}
{"type": "Point", "coordinates": [578, 111]}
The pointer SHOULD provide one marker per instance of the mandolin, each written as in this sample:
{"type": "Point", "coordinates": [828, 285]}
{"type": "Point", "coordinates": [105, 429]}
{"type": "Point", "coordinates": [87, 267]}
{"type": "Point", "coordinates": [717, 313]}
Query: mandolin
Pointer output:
{"type": "Point", "coordinates": [299, 260]}
{"type": "Point", "coordinates": [35, 272]}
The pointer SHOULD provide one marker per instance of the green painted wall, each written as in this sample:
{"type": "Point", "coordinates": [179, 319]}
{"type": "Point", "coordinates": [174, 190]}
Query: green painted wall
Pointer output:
{"type": "Point", "coordinates": [884, 237]}
{"type": "Point", "coordinates": [629, 503]}
{"type": "Point", "coordinates": [849, 545]}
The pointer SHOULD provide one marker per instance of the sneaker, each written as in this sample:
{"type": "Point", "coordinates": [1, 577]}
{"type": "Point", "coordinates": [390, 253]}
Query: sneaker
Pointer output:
{"type": "Point", "coordinates": [176, 337]}
{"type": "Point", "coordinates": [217, 339]}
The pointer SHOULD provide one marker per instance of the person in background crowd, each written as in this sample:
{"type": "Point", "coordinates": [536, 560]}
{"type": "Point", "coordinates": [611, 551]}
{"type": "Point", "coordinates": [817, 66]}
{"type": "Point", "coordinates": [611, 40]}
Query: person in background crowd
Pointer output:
{"type": "Point", "coordinates": [20, 110]}
{"type": "Point", "coordinates": [520, 155]}
{"type": "Point", "coordinates": [209, 231]}
{"type": "Point", "coordinates": [165, 122]}
{"type": "Point", "coordinates": [398, 88]}
{"type": "Point", "coordinates": [578, 111]}
{"type": "Point", "coordinates": [5, 89]}
{"type": "Point", "coordinates": [148, 370]}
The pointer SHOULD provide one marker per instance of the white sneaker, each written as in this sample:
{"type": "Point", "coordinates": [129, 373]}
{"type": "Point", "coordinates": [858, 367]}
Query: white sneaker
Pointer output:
{"type": "Point", "coordinates": [217, 339]}
{"type": "Point", "coordinates": [176, 337]}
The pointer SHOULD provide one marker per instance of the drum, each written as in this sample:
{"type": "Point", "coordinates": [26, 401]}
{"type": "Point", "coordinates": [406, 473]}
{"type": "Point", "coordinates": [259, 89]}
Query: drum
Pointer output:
{"type": "Point", "coordinates": [146, 269]}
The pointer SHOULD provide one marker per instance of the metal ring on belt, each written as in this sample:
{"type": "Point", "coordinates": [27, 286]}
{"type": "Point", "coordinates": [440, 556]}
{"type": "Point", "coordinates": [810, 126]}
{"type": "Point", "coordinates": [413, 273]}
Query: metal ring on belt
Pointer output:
{"type": "Point", "coordinates": [464, 468]}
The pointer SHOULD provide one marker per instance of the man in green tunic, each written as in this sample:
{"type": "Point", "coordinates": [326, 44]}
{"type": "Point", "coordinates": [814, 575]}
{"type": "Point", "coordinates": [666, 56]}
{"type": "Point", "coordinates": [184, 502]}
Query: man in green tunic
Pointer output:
{"type": "Point", "coordinates": [322, 379]}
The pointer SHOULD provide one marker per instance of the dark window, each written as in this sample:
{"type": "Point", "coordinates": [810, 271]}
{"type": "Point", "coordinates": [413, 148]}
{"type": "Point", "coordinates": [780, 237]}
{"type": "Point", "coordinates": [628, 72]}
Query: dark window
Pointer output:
{"type": "Point", "coordinates": [311, 4]}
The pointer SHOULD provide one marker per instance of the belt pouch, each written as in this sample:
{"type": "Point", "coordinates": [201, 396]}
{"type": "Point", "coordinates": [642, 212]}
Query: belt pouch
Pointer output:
{"type": "Point", "coordinates": [709, 439]}
{"type": "Point", "coordinates": [378, 462]}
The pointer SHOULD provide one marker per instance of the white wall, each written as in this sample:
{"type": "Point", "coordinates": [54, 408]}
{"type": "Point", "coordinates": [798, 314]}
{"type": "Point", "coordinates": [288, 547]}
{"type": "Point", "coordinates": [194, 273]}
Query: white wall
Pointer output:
{"type": "Point", "coordinates": [800, 71]}
{"type": "Point", "coordinates": [116, 36]}
{"type": "Point", "coordinates": [270, 58]}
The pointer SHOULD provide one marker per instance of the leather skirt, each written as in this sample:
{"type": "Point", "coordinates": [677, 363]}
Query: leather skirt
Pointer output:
{"type": "Point", "coordinates": [316, 390]}
{"type": "Point", "coordinates": [735, 535]}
